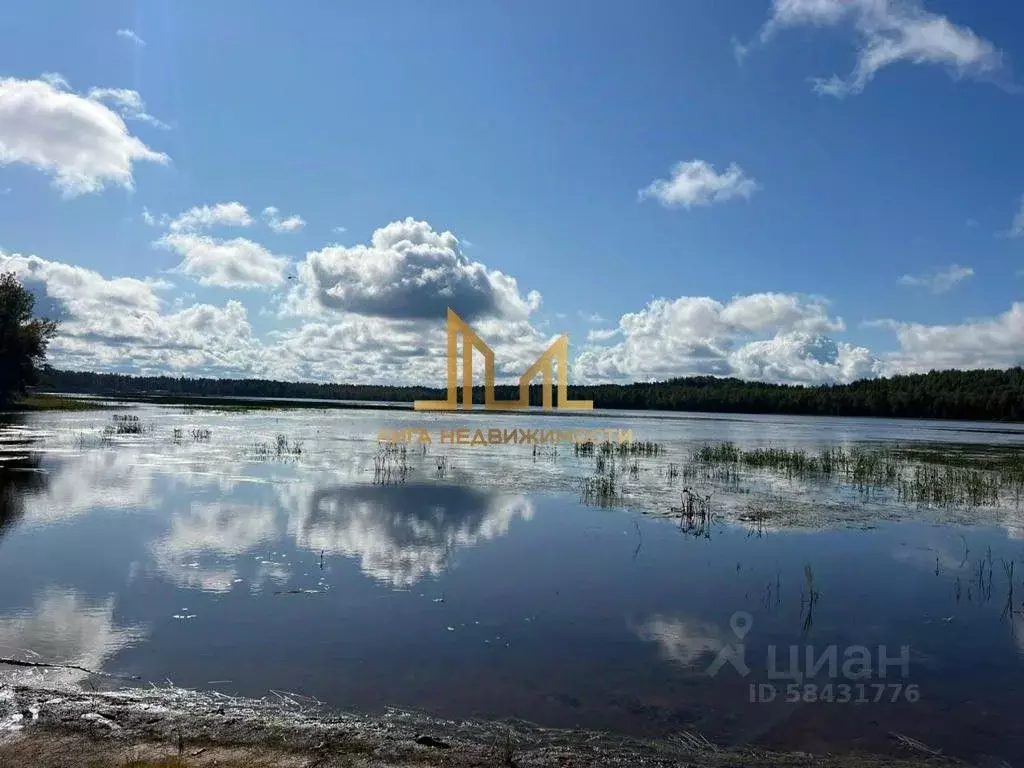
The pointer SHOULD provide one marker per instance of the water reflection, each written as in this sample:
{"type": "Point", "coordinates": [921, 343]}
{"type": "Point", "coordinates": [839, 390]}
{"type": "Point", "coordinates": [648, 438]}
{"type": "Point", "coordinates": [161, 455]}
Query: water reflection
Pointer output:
{"type": "Point", "coordinates": [20, 478]}
{"type": "Point", "coordinates": [402, 534]}
{"type": "Point", "coordinates": [687, 642]}
{"type": "Point", "coordinates": [584, 617]}
{"type": "Point", "coordinates": [95, 479]}
{"type": "Point", "coordinates": [204, 543]}
{"type": "Point", "coordinates": [64, 626]}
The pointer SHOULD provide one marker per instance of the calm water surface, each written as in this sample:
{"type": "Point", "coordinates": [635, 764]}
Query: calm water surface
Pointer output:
{"type": "Point", "coordinates": [491, 590]}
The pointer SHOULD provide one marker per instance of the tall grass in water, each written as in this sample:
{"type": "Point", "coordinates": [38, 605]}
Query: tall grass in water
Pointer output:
{"type": "Point", "coordinates": [932, 479]}
{"type": "Point", "coordinates": [281, 448]}
{"type": "Point", "coordinates": [124, 424]}
{"type": "Point", "coordinates": [602, 489]}
{"type": "Point", "coordinates": [695, 516]}
{"type": "Point", "coordinates": [608, 448]}
{"type": "Point", "coordinates": [391, 464]}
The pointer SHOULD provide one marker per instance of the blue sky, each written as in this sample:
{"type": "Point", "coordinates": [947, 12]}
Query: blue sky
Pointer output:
{"type": "Point", "coordinates": [804, 228]}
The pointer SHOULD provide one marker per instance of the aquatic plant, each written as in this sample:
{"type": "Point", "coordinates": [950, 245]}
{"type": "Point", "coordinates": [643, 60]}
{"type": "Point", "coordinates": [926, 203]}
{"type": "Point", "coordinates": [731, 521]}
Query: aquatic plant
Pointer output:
{"type": "Point", "coordinates": [391, 464]}
{"type": "Point", "coordinates": [602, 489]}
{"type": "Point", "coordinates": [915, 477]}
{"type": "Point", "coordinates": [695, 516]}
{"type": "Point", "coordinates": [281, 448]}
{"type": "Point", "coordinates": [124, 424]}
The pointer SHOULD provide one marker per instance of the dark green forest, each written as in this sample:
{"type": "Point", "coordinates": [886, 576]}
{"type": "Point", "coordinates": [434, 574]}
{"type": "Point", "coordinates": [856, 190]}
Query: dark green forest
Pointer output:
{"type": "Point", "coordinates": [986, 395]}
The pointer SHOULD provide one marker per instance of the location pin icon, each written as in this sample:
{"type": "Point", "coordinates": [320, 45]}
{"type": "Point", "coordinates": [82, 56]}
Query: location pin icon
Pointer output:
{"type": "Point", "coordinates": [741, 623]}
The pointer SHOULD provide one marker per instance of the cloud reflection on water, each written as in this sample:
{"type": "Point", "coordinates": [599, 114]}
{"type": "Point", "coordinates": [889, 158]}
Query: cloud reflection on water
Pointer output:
{"type": "Point", "coordinates": [64, 626]}
{"type": "Point", "coordinates": [402, 534]}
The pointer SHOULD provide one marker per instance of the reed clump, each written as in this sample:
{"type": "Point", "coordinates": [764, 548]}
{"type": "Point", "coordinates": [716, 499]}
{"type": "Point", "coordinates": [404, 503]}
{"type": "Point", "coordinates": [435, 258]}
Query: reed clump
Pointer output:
{"type": "Point", "coordinates": [391, 464]}
{"type": "Point", "coordinates": [695, 515]}
{"type": "Point", "coordinates": [931, 478]}
{"type": "Point", "coordinates": [124, 424]}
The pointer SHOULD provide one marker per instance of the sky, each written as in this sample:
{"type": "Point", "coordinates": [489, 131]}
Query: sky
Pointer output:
{"type": "Point", "coordinates": [799, 191]}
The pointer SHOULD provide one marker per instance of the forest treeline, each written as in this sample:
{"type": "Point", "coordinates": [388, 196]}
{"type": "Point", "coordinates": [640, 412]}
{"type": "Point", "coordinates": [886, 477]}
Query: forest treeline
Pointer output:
{"type": "Point", "coordinates": [986, 395]}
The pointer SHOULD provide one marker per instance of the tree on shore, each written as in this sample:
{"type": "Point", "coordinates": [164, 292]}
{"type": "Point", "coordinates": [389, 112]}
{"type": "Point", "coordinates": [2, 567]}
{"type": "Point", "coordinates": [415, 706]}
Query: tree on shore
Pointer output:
{"type": "Point", "coordinates": [23, 338]}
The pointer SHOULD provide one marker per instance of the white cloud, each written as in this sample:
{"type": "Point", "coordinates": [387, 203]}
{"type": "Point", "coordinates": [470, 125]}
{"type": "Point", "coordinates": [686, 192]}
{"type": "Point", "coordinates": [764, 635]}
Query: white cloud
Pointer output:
{"type": "Point", "coordinates": [591, 317]}
{"type": "Point", "coordinates": [235, 263]}
{"type": "Point", "coordinates": [602, 334]}
{"type": "Point", "coordinates": [694, 335]}
{"type": "Point", "coordinates": [697, 183]}
{"type": "Point", "coordinates": [739, 50]}
{"type": "Point", "coordinates": [985, 343]}
{"type": "Point", "coordinates": [407, 271]}
{"type": "Point", "coordinates": [292, 223]}
{"type": "Point", "coordinates": [804, 358]}
{"type": "Point", "coordinates": [939, 281]}
{"type": "Point", "coordinates": [122, 323]}
{"type": "Point", "coordinates": [129, 34]}
{"type": "Point", "coordinates": [81, 291]}
{"type": "Point", "coordinates": [340, 230]}
{"type": "Point", "coordinates": [1017, 228]}
{"type": "Point", "coordinates": [128, 103]}
{"type": "Point", "coordinates": [195, 219]}
{"type": "Point", "coordinates": [77, 140]}
{"type": "Point", "coordinates": [889, 31]}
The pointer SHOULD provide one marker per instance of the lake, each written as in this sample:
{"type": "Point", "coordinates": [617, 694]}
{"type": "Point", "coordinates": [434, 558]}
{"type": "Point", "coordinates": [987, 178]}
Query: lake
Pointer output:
{"type": "Point", "coordinates": [865, 569]}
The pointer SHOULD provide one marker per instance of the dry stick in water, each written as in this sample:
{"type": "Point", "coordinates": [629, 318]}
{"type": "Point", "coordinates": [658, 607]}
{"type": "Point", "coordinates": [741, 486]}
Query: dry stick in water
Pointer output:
{"type": "Point", "coordinates": [45, 665]}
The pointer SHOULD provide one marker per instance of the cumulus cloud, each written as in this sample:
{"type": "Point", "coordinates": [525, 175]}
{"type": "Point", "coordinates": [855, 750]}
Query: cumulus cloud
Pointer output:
{"type": "Point", "coordinates": [202, 217]}
{"type": "Point", "coordinates": [361, 349]}
{"type": "Point", "coordinates": [128, 103]}
{"type": "Point", "coordinates": [697, 183]}
{"type": "Point", "coordinates": [125, 324]}
{"type": "Point", "coordinates": [939, 281]}
{"type": "Point", "coordinates": [695, 335]}
{"type": "Point", "coordinates": [986, 343]}
{"type": "Point", "coordinates": [292, 223]}
{"type": "Point", "coordinates": [235, 263]}
{"type": "Point", "coordinates": [131, 36]}
{"type": "Point", "coordinates": [408, 270]}
{"type": "Point", "coordinates": [889, 32]}
{"type": "Point", "coordinates": [804, 358]}
{"type": "Point", "coordinates": [78, 140]}
{"type": "Point", "coordinates": [113, 324]}
{"type": "Point", "coordinates": [356, 348]}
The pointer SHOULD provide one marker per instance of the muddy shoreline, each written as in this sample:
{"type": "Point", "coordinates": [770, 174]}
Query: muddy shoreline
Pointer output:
{"type": "Point", "coordinates": [171, 726]}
